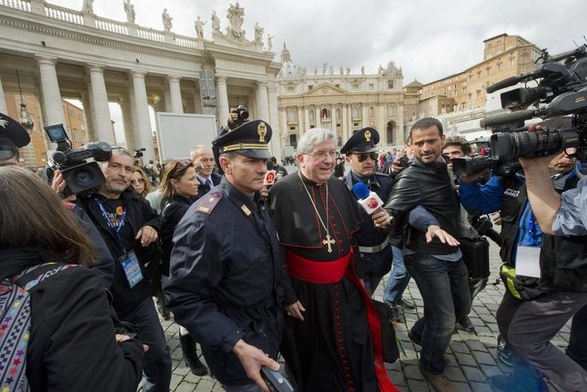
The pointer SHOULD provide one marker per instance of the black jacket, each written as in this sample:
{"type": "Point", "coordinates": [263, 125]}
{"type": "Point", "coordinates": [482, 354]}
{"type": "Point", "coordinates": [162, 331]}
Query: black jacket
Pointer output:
{"type": "Point", "coordinates": [139, 213]}
{"type": "Point", "coordinates": [225, 279]}
{"type": "Point", "coordinates": [72, 345]}
{"type": "Point", "coordinates": [430, 187]}
{"type": "Point", "coordinates": [170, 217]}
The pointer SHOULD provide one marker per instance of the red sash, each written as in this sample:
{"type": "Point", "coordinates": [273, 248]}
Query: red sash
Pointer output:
{"type": "Point", "coordinates": [331, 272]}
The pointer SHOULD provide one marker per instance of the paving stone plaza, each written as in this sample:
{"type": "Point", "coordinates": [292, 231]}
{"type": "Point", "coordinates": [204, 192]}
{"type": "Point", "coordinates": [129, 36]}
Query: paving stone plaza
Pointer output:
{"type": "Point", "coordinates": [472, 357]}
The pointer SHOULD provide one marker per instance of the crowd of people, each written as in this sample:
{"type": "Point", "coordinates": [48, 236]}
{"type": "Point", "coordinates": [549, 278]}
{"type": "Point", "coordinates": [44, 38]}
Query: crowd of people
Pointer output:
{"type": "Point", "coordinates": [260, 272]}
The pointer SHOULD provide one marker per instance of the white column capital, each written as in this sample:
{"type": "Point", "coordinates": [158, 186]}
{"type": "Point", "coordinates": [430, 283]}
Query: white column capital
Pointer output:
{"type": "Point", "coordinates": [46, 60]}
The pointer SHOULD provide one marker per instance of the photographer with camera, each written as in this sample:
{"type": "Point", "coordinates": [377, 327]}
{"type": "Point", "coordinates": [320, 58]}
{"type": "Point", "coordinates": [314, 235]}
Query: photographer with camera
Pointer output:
{"type": "Point", "coordinates": [519, 229]}
{"type": "Point", "coordinates": [563, 278]}
{"type": "Point", "coordinates": [129, 226]}
{"type": "Point", "coordinates": [560, 264]}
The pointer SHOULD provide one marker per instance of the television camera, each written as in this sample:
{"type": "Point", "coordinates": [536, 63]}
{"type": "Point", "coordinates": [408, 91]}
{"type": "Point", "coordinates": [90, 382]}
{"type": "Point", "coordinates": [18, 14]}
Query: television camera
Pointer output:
{"type": "Point", "coordinates": [562, 91]}
{"type": "Point", "coordinates": [79, 174]}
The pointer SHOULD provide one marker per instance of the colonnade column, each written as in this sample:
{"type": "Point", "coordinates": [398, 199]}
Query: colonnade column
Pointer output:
{"type": "Point", "coordinates": [129, 135]}
{"type": "Point", "coordinates": [3, 108]}
{"type": "Point", "coordinates": [306, 120]}
{"type": "Point", "coordinates": [222, 99]}
{"type": "Point", "coordinates": [302, 124]}
{"type": "Point", "coordinates": [175, 94]}
{"type": "Point", "coordinates": [364, 116]}
{"type": "Point", "coordinates": [100, 110]}
{"type": "Point", "coordinates": [50, 94]}
{"type": "Point", "coordinates": [142, 125]}
{"type": "Point", "coordinates": [279, 142]}
{"type": "Point", "coordinates": [345, 121]}
{"type": "Point", "coordinates": [333, 119]}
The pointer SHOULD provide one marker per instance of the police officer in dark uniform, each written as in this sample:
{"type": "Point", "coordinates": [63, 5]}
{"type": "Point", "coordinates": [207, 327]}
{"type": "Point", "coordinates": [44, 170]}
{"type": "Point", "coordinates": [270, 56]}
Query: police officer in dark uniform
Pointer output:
{"type": "Point", "coordinates": [374, 246]}
{"type": "Point", "coordinates": [225, 282]}
{"type": "Point", "coordinates": [12, 137]}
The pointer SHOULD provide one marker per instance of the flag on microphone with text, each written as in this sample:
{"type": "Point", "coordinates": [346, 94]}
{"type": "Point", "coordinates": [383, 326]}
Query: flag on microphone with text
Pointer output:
{"type": "Point", "coordinates": [370, 201]}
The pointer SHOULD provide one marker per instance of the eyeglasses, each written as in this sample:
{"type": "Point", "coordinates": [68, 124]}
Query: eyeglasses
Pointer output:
{"type": "Point", "coordinates": [372, 155]}
{"type": "Point", "coordinates": [322, 155]}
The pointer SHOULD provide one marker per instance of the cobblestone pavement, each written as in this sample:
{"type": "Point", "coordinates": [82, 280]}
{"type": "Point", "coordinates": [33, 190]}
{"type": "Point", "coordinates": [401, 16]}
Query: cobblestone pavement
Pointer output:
{"type": "Point", "coordinates": [472, 357]}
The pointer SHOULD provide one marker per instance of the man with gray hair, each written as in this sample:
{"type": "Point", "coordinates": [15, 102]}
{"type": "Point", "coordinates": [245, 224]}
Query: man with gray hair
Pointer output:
{"type": "Point", "coordinates": [129, 227]}
{"type": "Point", "coordinates": [202, 155]}
{"type": "Point", "coordinates": [330, 344]}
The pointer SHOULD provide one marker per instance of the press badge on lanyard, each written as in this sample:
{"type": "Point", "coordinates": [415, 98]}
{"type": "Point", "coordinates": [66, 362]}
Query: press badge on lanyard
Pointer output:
{"type": "Point", "coordinates": [528, 250]}
{"type": "Point", "coordinates": [132, 270]}
{"type": "Point", "coordinates": [129, 260]}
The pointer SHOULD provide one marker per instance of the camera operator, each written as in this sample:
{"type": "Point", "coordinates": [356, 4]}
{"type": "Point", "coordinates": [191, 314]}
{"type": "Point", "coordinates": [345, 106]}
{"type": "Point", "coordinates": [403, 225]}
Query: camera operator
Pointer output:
{"type": "Point", "coordinates": [129, 226]}
{"type": "Point", "coordinates": [563, 262]}
{"type": "Point", "coordinates": [520, 231]}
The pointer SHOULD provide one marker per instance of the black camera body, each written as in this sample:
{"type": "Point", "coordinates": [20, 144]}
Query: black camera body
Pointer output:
{"type": "Point", "coordinates": [79, 174]}
{"type": "Point", "coordinates": [242, 113]}
{"type": "Point", "coordinates": [562, 89]}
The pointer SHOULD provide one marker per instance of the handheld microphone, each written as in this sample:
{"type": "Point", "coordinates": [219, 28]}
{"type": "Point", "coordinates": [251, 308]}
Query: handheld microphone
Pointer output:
{"type": "Point", "coordinates": [368, 200]}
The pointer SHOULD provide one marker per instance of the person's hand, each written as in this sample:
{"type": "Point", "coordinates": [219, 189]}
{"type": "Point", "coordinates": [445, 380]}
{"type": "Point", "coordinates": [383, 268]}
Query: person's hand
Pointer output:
{"type": "Point", "coordinates": [434, 231]}
{"type": "Point", "coordinates": [530, 163]}
{"type": "Point", "coordinates": [397, 165]}
{"type": "Point", "coordinates": [121, 338]}
{"type": "Point", "coordinates": [147, 235]}
{"type": "Point", "coordinates": [264, 192]}
{"type": "Point", "coordinates": [295, 310]}
{"type": "Point", "coordinates": [472, 178]}
{"type": "Point", "coordinates": [381, 219]}
{"type": "Point", "coordinates": [252, 360]}
{"type": "Point", "coordinates": [496, 218]}
{"type": "Point", "coordinates": [232, 121]}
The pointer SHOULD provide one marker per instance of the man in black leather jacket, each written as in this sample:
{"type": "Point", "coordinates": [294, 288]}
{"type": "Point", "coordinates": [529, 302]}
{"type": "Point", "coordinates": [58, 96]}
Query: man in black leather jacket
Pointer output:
{"type": "Point", "coordinates": [437, 267]}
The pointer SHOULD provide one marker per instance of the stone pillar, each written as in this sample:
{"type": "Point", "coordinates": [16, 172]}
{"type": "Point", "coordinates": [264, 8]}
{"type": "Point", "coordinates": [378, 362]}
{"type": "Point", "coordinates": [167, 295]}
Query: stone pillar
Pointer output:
{"type": "Point", "coordinates": [285, 125]}
{"type": "Point", "coordinates": [142, 125]}
{"type": "Point", "coordinates": [38, 7]}
{"type": "Point", "coordinates": [276, 142]}
{"type": "Point", "coordinates": [86, 102]}
{"type": "Point", "coordinates": [306, 120]}
{"type": "Point", "coordinates": [129, 136]}
{"type": "Point", "coordinates": [175, 94]}
{"type": "Point", "coordinates": [3, 107]}
{"type": "Point", "coordinates": [100, 108]}
{"type": "Point", "coordinates": [302, 122]}
{"type": "Point", "coordinates": [364, 115]}
{"type": "Point", "coordinates": [345, 121]}
{"type": "Point", "coordinates": [222, 97]}
{"type": "Point", "coordinates": [333, 119]}
{"type": "Point", "coordinates": [50, 94]}
{"type": "Point", "coordinates": [317, 119]}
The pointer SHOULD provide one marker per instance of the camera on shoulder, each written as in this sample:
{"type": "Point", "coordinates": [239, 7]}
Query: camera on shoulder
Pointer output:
{"type": "Point", "coordinates": [79, 174]}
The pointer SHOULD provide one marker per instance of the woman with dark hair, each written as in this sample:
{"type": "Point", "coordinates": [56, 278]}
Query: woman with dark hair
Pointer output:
{"type": "Point", "coordinates": [179, 185]}
{"type": "Point", "coordinates": [141, 182]}
{"type": "Point", "coordinates": [72, 344]}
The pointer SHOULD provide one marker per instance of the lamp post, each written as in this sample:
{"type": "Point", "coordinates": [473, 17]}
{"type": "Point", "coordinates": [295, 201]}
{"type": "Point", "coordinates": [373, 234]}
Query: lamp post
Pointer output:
{"type": "Point", "coordinates": [24, 118]}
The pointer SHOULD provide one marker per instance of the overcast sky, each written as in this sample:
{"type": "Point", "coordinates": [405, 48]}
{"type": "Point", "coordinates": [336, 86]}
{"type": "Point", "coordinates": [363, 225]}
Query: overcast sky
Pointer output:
{"type": "Point", "coordinates": [427, 39]}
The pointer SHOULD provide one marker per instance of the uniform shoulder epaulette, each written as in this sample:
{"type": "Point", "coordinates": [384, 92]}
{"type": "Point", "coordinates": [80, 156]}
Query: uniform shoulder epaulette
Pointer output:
{"type": "Point", "coordinates": [381, 174]}
{"type": "Point", "coordinates": [207, 203]}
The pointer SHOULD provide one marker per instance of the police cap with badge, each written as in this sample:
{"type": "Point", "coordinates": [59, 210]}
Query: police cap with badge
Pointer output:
{"type": "Point", "coordinates": [249, 139]}
{"type": "Point", "coordinates": [362, 141]}
{"type": "Point", "coordinates": [12, 137]}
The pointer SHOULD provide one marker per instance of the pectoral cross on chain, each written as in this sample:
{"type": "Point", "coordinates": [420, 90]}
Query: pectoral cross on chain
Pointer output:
{"type": "Point", "coordinates": [328, 242]}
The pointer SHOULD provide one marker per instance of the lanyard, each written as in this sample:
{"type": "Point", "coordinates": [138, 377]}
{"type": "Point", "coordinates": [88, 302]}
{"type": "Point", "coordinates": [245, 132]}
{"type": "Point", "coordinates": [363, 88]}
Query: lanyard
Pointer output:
{"type": "Point", "coordinates": [115, 227]}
